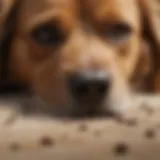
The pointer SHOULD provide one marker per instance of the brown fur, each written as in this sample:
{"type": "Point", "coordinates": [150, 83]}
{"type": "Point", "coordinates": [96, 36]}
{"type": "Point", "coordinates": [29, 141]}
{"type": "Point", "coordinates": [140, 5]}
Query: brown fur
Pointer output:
{"type": "Point", "coordinates": [133, 64]}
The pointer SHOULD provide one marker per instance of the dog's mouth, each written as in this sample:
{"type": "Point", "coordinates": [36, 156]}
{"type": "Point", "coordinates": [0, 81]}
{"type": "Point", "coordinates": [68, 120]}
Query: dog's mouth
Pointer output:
{"type": "Point", "coordinates": [95, 110]}
{"type": "Point", "coordinates": [74, 109]}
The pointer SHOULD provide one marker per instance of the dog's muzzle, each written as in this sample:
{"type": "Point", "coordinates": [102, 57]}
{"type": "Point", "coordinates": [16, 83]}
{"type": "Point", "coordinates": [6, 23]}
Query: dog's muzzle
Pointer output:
{"type": "Point", "coordinates": [89, 88]}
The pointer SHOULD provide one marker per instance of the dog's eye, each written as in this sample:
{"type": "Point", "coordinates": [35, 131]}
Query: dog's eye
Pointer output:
{"type": "Point", "coordinates": [48, 35]}
{"type": "Point", "coordinates": [118, 32]}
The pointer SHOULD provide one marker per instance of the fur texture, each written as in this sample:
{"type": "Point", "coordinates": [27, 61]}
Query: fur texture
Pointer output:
{"type": "Point", "coordinates": [116, 36]}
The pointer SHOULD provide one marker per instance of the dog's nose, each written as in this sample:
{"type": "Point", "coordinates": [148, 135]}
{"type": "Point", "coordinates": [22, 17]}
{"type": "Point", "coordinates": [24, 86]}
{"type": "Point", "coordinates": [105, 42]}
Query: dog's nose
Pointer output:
{"type": "Point", "coordinates": [90, 86]}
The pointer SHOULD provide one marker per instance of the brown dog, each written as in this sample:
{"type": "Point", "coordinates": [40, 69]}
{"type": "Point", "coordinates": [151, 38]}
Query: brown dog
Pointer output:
{"type": "Point", "coordinates": [87, 56]}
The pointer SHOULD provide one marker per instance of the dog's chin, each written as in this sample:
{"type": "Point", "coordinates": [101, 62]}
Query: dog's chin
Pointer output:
{"type": "Point", "coordinates": [109, 108]}
{"type": "Point", "coordinates": [96, 110]}
{"type": "Point", "coordinates": [73, 110]}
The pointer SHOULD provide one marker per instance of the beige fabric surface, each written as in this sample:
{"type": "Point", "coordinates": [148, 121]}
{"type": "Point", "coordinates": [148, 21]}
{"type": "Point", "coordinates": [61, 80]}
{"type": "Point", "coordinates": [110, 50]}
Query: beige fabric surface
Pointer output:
{"type": "Point", "coordinates": [40, 137]}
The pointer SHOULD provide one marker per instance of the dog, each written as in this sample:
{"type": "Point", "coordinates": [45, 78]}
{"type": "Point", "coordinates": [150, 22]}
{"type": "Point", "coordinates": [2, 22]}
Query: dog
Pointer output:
{"type": "Point", "coordinates": [87, 57]}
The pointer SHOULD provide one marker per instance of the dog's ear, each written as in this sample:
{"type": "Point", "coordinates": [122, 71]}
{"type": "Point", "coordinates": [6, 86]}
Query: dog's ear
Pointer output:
{"type": "Point", "coordinates": [149, 64]}
{"type": "Point", "coordinates": [7, 21]}
{"type": "Point", "coordinates": [8, 12]}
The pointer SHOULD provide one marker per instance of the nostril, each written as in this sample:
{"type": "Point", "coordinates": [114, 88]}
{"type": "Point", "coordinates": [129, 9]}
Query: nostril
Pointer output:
{"type": "Point", "coordinates": [78, 85]}
{"type": "Point", "coordinates": [81, 88]}
{"type": "Point", "coordinates": [102, 87]}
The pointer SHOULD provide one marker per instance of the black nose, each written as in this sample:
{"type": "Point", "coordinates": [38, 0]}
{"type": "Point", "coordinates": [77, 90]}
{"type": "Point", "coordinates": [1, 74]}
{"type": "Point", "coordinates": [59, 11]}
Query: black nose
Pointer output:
{"type": "Point", "coordinates": [90, 86]}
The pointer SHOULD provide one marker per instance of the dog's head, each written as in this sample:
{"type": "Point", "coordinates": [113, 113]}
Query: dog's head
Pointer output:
{"type": "Point", "coordinates": [83, 54]}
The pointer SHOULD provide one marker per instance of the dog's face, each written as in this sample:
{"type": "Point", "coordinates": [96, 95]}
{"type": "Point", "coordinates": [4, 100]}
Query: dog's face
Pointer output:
{"type": "Point", "coordinates": [80, 54]}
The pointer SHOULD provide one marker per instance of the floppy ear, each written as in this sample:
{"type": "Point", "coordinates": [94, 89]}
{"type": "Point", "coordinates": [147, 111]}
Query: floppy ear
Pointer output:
{"type": "Point", "coordinates": [8, 12]}
{"type": "Point", "coordinates": [150, 49]}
